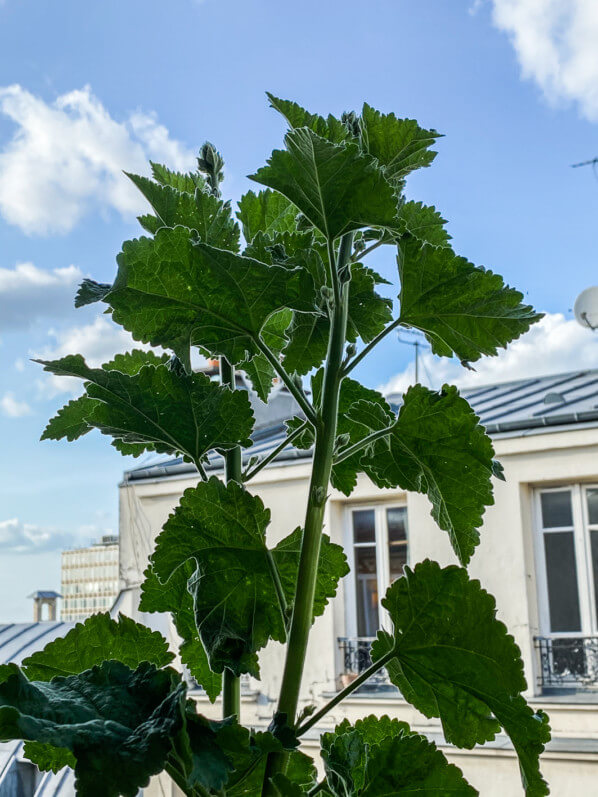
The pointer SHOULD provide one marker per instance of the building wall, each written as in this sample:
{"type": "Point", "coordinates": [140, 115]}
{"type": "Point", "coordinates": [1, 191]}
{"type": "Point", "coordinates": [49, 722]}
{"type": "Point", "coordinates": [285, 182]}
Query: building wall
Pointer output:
{"type": "Point", "coordinates": [89, 580]}
{"type": "Point", "coordinates": [504, 563]}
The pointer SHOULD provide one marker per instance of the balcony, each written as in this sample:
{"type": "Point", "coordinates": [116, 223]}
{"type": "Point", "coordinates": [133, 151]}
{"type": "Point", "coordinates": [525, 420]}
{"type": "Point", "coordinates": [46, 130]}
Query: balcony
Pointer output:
{"type": "Point", "coordinates": [568, 664]}
{"type": "Point", "coordinates": [354, 659]}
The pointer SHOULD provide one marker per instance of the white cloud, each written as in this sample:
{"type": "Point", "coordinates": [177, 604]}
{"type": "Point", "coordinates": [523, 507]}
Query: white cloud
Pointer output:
{"type": "Point", "coordinates": [67, 157]}
{"type": "Point", "coordinates": [28, 293]}
{"type": "Point", "coordinates": [97, 341]}
{"type": "Point", "coordinates": [12, 407]}
{"type": "Point", "coordinates": [556, 42]}
{"type": "Point", "coordinates": [554, 345]}
{"type": "Point", "coordinates": [17, 537]}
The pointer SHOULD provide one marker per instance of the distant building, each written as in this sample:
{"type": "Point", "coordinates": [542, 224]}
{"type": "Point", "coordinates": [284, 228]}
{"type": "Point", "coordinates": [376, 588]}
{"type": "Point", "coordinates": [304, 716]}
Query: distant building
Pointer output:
{"type": "Point", "coordinates": [44, 599]}
{"type": "Point", "coordinates": [89, 579]}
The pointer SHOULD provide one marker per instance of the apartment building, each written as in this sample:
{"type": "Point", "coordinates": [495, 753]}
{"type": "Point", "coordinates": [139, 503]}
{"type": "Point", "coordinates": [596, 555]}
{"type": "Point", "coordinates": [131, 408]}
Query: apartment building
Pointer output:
{"type": "Point", "coordinates": [89, 579]}
{"type": "Point", "coordinates": [538, 557]}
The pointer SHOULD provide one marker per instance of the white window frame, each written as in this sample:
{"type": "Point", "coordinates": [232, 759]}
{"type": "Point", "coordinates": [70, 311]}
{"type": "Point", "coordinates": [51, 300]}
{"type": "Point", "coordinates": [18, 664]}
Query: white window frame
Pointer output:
{"type": "Point", "coordinates": [583, 561]}
{"type": "Point", "coordinates": [382, 560]}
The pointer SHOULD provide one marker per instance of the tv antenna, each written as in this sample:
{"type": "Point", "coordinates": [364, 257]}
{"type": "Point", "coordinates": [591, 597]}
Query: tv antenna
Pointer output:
{"type": "Point", "coordinates": [585, 308]}
{"type": "Point", "coordinates": [416, 341]}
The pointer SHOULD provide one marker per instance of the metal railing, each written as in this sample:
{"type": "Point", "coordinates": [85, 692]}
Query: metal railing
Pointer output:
{"type": "Point", "coordinates": [568, 663]}
{"type": "Point", "coordinates": [355, 658]}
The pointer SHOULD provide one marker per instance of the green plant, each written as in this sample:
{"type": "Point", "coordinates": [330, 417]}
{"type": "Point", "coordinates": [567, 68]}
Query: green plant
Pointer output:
{"type": "Point", "coordinates": [296, 301]}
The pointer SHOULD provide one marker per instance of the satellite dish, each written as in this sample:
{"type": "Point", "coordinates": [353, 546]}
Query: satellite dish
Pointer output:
{"type": "Point", "coordinates": [586, 308]}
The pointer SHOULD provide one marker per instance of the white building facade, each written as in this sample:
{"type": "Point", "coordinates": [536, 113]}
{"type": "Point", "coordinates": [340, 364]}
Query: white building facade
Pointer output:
{"type": "Point", "coordinates": [538, 556]}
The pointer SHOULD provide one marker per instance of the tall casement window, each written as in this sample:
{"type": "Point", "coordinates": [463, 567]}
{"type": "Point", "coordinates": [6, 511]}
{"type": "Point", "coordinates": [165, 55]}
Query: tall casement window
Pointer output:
{"type": "Point", "coordinates": [567, 548]}
{"type": "Point", "coordinates": [376, 545]}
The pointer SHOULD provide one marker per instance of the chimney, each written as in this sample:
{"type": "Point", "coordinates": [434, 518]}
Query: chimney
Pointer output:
{"type": "Point", "coordinates": [43, 598]}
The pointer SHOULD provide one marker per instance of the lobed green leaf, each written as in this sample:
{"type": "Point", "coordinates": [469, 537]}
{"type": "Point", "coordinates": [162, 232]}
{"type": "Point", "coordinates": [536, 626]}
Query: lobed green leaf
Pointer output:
{"type": "Point", "coordinates": [337, 187]}
{"type": "Point", "coordinates": [462, 309]}
{"type": "Point", "coordinates": [266, 212]}
{"type": "Point", "coordinates": [237, 601]}
{"type": "Point", "coordinates": [174, 597]}
{"type": "Point", "coordinates": [380, 756]}
{"type": "Point", "coordinates": [98, 639]}
{"type": "Point", "coordinates": [117, 722]}
{"type": "Point", "coordinates": [171, 291]}
{"type": "Point", "coordinates": [153, 407]}
{"type": "Point", "coordinates": [454, 660]}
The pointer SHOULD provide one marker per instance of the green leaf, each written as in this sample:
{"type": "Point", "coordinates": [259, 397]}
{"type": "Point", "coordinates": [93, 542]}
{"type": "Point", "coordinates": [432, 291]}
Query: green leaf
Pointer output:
{"type": "Point", "coordinates": [90, 292]}
{"type": "Point", "coordinates": [250, 765]}
{"type": "Point", "coordinates": [438, 447]}
{"type": "Point", "coordinates": [117, 722]}
{"type": "Point", "coordinates": [259, 371]}
{"type": "Point", "coordinates": [267, 212]}
{"type": "Point", "coordinates": [423, 222]}
{"type": "Point", "coordinates": [222, 527]}
{"type": "Point", "coordinates": [155, 408]}
{"type": "Point", "coordinates": [330, 128]}
{"type": "Point", "coordinates": [174, 597]}
{"type": "Point", "coordinates": [97, 639]}
{"type": "Point", "coordinates": [200, 211]}
{"type": "Point", "coordinates": [332, 566]}
{"type": "Point", "coordinates": [210, 765]}
{"type": "Point", "coordinates": [379, 756]}
{"type": "Point", "coordinates": [368, 312]}
{"type": "Point", "coordinates": [462, 309]}
{"type": "Point", "coordinates": [187, 181]}
{"type": "Point", "coordinates": [173, 292]}
{"type": "Point", "coordinates": [237, 611]}
{"type": "Point", "coordinates": [454, 660]}
{"type": "Point", "coordinates": [400, 145]}
{"type": "Point", "coordinates": [48, 758]}
{"type": "Point", "coordinates": [337, 187]}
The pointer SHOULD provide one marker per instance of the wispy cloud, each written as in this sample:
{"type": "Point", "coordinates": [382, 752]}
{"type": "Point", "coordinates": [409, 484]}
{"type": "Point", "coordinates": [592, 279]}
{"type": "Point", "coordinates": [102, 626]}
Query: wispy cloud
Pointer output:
{"type": "Point", "coordinates": [97, 341]}
{"type": "Point", "coordinates": [554, 345]}
{"type": "Point", "coordinates": [12, 407]}
{"type": "Point", "coordinates": [28, 293]}
{"type": "Point", "coordinates": [556, 42]}
{"type": "Point", "coordinates": [66, 158]}
{"type": "Point", "coordinates": [17, 537]}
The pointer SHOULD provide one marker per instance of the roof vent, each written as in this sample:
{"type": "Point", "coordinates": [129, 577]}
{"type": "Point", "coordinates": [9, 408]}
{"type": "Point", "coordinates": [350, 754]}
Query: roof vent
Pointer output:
{"type": "Point", "coordinates": [554, 398]}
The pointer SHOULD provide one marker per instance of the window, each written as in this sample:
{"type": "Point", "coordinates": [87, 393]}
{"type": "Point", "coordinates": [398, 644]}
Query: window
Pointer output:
{"type": "Point", "coordinates": [376, 544]}
{"type": "Point", "coordinates": [568, 560]}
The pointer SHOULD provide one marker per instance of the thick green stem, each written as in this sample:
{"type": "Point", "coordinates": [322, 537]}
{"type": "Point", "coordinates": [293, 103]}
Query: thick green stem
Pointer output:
{"type": "Point", "coordinates": [231, 684]}
{"type": "Point", "coordinates": [312, 534]}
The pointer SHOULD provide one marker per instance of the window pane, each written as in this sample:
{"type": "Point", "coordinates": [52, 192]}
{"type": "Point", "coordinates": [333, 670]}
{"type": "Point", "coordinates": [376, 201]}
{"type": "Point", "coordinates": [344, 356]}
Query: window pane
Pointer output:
{"type": "Point", "coordinates": [556, 509]}
{"type": "Point", "coordinates": [364, 526]}
{"type": "Point", "coordinates": [593, 506]}
{"type": "Point", "coordinates": [397, 524]}
{"type": "Point", "coordinates": [366, 588]}
{"type": "Point", "coordinates": [561, 575]}
{"type": "Point", "coordinates": [594, 546]}
{"type": "Point", "coordinates": [396, 519]}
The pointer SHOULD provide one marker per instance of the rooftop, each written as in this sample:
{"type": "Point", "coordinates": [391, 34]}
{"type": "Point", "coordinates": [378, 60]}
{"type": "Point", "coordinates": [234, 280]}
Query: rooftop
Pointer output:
{"type": "Point", "coordinates": [539, 403]}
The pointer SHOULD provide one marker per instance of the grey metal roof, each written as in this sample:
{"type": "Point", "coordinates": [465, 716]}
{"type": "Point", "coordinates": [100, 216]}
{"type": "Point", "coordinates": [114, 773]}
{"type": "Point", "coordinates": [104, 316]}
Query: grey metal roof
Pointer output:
{"type": "Point", "coordinates": [19, 640]}
{"type": "Point", "coordinates": [537, 403]}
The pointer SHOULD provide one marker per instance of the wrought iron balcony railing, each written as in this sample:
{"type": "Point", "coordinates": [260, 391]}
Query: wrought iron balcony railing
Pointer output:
{"type": "Point", "coordinates": [568, 663]}
{"type": "Point", "coordinates": [355, 658]}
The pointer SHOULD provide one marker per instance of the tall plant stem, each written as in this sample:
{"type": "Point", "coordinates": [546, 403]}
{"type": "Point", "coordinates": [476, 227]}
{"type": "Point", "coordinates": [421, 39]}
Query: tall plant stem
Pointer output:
{"type": "Point", "coordinates": [320, 477]}
{"type": "Point", "coordinates": [231, 684]}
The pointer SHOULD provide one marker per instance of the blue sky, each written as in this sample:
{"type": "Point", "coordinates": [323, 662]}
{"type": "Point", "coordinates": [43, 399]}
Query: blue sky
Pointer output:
{"type": "Point", "coordinates": [87, 89]}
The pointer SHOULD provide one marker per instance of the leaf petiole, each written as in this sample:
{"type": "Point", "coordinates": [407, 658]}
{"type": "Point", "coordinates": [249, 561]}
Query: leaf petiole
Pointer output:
{"type": "Point", "coordinates": [340, 696]}
{"type": "Point", "coordinates": [249, 474]}
{"type": "Point", "coordinates": [348, 452]}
